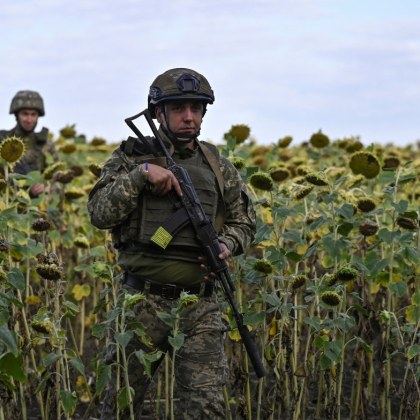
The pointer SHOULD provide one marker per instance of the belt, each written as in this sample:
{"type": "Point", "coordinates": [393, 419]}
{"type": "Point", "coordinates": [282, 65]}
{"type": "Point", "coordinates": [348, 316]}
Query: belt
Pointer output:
{"type": "Point", "coordinates": [167, 291]}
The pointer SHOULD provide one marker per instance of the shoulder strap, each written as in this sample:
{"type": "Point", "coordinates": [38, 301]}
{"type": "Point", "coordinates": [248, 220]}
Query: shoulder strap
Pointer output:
{"type": "Point", "coordinates": [211, 154]}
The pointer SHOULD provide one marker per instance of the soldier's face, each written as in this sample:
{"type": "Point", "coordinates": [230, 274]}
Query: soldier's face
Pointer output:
{"type": "Point", "coordinates": [182, 118]}
{"type": "Point", "coordinates": [28, 119]}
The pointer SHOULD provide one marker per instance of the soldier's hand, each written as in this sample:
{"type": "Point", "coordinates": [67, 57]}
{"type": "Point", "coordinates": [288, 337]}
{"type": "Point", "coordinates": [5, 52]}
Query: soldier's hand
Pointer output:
{"type": "Point", "coordinates": [36, 189]}
{"type": "Point", "coordinates": [224, 254]}
{"type": "Point", "coordinates": [162, 180]}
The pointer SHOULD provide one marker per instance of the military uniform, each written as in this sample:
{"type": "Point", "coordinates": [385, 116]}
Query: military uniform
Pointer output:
{"type": "Point", "coordinates": [37, 144]}
{"type": "Point", "coordinates": [121, 201]}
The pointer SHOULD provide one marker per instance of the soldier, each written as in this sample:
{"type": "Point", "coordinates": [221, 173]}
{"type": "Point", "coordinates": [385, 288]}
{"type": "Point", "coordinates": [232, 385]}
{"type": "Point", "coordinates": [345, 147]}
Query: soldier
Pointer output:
{"type": "Point", "coordinates": [132, 199]}
{"type": "Point", "coordinates": [28, 106]}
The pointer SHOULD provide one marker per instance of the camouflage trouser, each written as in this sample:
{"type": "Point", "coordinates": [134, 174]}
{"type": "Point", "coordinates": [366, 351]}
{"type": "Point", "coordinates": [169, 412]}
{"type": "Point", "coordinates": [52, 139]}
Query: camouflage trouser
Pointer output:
{"type": "Point", "coordinates": [200, 364]}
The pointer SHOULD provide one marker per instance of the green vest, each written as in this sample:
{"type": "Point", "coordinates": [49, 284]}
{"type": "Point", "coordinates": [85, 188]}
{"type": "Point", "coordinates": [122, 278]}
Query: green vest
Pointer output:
{"type": "Point", "coordinates": [152, 211]}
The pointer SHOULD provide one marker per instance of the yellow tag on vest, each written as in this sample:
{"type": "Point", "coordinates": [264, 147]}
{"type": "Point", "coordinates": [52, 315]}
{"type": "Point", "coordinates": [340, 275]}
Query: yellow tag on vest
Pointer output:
{"type": "Point", "coordinates": [161, 237]}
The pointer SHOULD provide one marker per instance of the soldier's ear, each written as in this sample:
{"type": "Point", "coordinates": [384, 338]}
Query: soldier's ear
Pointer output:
{"type": "Point", "coordinates": [159, 114]}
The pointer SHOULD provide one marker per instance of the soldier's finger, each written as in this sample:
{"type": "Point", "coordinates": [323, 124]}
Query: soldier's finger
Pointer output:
{"type": "Point", "coordinates": [176, 186]}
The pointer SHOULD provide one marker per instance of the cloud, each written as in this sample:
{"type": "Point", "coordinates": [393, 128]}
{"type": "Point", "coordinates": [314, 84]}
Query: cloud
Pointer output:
{"type": "Point", "coordinates": [283, 67]}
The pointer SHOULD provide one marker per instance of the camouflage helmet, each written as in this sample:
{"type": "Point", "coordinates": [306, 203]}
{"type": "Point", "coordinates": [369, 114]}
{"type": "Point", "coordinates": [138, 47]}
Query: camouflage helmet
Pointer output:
{"type": "Point", "coordinates": [27, 99]}
{"type": "Point", "coordinates": [179, 84]}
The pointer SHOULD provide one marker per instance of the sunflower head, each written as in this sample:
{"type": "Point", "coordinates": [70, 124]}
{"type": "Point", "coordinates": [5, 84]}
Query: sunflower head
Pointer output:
{"type": "Point", "coordinates": [68, 132]}
{"type": "Point", "coordinates": [81, 241]}
{"type": "Point", "coordinates": [279, 173]}
{"type": "Point", "coordinates": [12, 149]}
{"type": "Point", "coordinates": [98, 141]}
{"type": "Point", "coordinates": [298, 281]}
{"type": "Point", "coordinates": [346, 274]}
{"type": "Point", "coordinates": [331, 298]}
{"type": "Point", "coordinates": [74, 193]}
{"type": "Point", "coordinates": [366, 164]}
{"type": "Point", "coordinates": [41, 225]}
{"type": "Point", "coordinates": [240, 132]}
{"type": "Point", "coordinates": [237, 162]}
{"type": "Point", "coordinates": [317, 178]}
{"type": "Point", "coordinates": [303, 192]}
{"type": "Point", "coordinates": [52, 169]}
{"type": "Point", "coordinates": [407, 223]}
{"type": "Point", "coordinates": [366, 205]}
{"type": "Point", "coordinates": [261, 181]}
{"type": "Point", "coordinates": [368, 228]}
{"type": "Point", "coordinates": [263, 266]}
{"type": "Point", "coordinates": [319, 140]}
{"type": "Point", "coordinates": [284, 142]}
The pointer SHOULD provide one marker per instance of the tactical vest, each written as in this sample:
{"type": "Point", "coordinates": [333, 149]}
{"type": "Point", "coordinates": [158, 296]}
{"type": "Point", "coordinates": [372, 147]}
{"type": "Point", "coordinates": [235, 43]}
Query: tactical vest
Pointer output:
{"type": "Point", "coordinates": [152, 211]}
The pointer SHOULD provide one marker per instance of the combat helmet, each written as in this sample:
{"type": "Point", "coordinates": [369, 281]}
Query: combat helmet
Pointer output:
{"type": "Point", "coordinates": [27, 99]}
{"type": "Point", "coordinates": [179, 84]}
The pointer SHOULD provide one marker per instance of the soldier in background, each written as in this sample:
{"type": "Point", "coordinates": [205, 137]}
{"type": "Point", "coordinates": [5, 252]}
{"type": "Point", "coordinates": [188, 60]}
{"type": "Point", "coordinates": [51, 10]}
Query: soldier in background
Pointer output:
{"type": "Point", "coordinates": [28, 106]}
{"type": "Point", "coordinates": [133, 197]}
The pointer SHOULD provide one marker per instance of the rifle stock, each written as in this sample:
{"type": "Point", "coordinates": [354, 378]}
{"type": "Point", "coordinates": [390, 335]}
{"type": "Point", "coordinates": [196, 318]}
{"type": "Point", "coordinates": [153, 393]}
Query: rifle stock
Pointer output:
{"type": "Point", "coordinates": [207, 237]}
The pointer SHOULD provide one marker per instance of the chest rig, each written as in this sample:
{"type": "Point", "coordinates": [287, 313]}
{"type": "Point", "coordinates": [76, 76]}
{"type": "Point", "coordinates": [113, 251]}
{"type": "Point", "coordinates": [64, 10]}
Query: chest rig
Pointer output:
{"type": "Point", "coordinates": [154, 211]}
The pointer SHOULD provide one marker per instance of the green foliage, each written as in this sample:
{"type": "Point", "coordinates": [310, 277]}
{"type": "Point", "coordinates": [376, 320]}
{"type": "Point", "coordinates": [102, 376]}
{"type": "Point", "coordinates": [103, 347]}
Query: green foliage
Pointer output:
{"type": "Point", "coordinates": [308, 226]}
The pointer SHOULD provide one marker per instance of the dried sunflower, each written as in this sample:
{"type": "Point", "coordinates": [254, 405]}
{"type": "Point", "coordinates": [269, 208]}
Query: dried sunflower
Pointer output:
{"type": "Point", "coordinates": [366, 164]}
{"type": "Point", "coordinates": [12, 149]}
{"type": "Point", "coordinates": [49, 271]}
{"type": "Point", "coordinates": [68, 132]}
{"type": "Point", "coordinates": [41, 225]}
{"type": "Point", "coordinates": [240, 132]}
{"type": "Point", "coordinates": [64, 177]}
{"type": "Point", "coordinates": [317, 178]}
{"type": "Point", "coordinates": [68, 148]}
{"type": "Point", "coordinates": [279, 173]}
{"type": "Point", "coordinates": [302, 193]}
{"type": "Point", "coordinates": [43, 327]}
{"type": "Point", "coordinates": [237, 162]}
{"type": "Point", "coordinates": [261, 181]}
{"type": "Point", "coordinates": [368, 228]}
{"type": "Point", "coordinates": [81, 242]}
{"type": "Point", "coordinates": [52, 169]}
{"type": "Point", "coordinates": [346, 274]}
{"type": "Point", "coordinates": [298, 281]}
{"type": "Point", "coordinates": [391, 162]}
{"type": "Point", "coordinates": [74, 193]}
{"type": "Point", "coordinates": [319, 140]}
{"type": "Point", "coordinates": [98, 141]}
{"type": "Point", "coordinates": [95, 169]}
{"type": "Point", "coordinates": [366, 205]}
{"type": "Point", "coordinates": [407, 223]}
{"type": "Point", "coordinates": [284, 142]}
{"type": "Point", "coordinates": [331, 298]}
{"type": "Point", "coordinates": [263, 266]}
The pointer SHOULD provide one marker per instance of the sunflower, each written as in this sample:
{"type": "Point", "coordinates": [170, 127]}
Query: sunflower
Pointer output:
{"type": "Point", "coordinates": [237, 162]}
{"type": "Point", "coordinates": [365, 163]}
{"type": "Point", "coordinates": [263, 266]}
{"type": "Point", "coordinates": [284, 142]}
{"type": "Point", "coordinates": [12, 149]}
{"type": "Point", "coordinates": [298, 281]}
{"type": "Point", "coordinates": [262, 181]}
{"type": "Point", "coordinates": [331, 298]}
{"type": "Point", "coordinates": [240, 132]}
{"type": "Point", "coordinates": [319, 140]}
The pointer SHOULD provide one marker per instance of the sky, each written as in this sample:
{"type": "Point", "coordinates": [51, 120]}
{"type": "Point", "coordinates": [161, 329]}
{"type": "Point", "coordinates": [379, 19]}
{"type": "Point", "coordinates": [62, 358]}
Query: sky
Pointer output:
{"type": "Point", "coordinates": [282, 67]}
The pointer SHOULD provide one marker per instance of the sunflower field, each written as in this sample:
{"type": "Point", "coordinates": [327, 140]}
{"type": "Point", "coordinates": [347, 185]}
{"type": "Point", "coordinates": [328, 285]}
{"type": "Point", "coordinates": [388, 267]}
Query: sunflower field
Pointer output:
{"type": "Point", "coordinates": [329, 289]}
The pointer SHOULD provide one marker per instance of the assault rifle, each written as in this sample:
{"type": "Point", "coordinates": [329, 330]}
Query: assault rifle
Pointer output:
{"type": "Point", "coordinates": [191, 211]}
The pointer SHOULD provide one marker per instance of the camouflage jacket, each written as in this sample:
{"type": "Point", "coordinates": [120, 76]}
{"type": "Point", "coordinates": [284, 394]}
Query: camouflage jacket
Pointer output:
{"type": "Point", "coordinates": [116, 195]}
{"type": "Point", "coordinates": [37, 146]}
